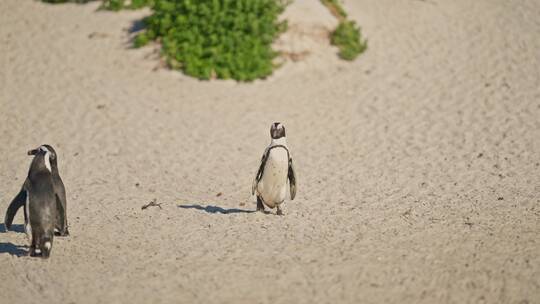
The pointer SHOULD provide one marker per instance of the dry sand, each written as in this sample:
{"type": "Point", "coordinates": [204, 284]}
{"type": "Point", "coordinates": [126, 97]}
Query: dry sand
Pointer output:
{"type": "Point", "coordinates": [418, 164]}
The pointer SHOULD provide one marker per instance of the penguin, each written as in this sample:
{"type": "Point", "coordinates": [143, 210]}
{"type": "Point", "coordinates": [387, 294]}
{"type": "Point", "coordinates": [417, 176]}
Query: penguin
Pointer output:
{"type": "Point", "coordinates": [40, 204]}
{"type": "Point", "coordinates": [61, 225]}
{"type": "Point", "coordinates": [275, 170]}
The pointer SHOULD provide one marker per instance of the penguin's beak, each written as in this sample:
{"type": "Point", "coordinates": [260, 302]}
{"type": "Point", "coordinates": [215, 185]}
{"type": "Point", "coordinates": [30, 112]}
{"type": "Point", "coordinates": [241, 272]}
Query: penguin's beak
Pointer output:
{"type": "Point", "coordinates": [33, 152]}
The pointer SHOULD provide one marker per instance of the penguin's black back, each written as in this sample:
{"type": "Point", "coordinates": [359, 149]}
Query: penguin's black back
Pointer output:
{"type": "Point", "coordinates": [42, 203]}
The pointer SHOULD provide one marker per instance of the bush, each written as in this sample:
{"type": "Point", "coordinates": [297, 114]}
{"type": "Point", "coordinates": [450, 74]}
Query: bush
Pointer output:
{"type": "Point", "coordinates": [65, 1]}
{"type": "Point", "coordinates": [216, 38]}
{"type": "Point", "coordinates": [335, 8]}
{"type": "Point", "coordinates": [116, 5]}
{"type": "Point", "coordinates": [347, 38]}
{"type": "Point", "coordinates": [347, 35]}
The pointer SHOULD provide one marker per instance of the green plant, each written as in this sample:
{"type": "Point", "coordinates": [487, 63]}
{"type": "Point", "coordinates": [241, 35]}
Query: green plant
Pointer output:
{"type": "Point", "coordinates": [216, 38]}
{"type": "Point", "coordinates": [113, 5]}
{"type": "Point", "coordinates": [335, 8]}
{"type": "Point", "coordinates": [64, 1]}
{"type": "Point", "coordinates": [116, 5]}
{"type": "Point", "coordinates": [347, 38]}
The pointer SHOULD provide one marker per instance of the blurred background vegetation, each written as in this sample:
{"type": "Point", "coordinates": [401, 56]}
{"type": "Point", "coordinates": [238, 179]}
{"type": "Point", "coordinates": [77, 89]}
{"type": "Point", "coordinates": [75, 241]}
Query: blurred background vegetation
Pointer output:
{"type": "Point", "coordinates": [226, 39]}
{"type": "Point", "coordinates": [216, 38]}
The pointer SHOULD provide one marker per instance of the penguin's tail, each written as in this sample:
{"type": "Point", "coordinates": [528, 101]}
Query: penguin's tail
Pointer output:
{"type": "Point", "coordinates": [16, 203]}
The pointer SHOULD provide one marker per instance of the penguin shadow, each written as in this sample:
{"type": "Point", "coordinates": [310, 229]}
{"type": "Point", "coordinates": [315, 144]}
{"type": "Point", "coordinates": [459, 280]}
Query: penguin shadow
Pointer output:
{"type": "Point", "coordinates": [215, 209]}
{"type": "Point", "coordinates": [13, 249]}
{"type": "Point", "coordinates": [19, 228]}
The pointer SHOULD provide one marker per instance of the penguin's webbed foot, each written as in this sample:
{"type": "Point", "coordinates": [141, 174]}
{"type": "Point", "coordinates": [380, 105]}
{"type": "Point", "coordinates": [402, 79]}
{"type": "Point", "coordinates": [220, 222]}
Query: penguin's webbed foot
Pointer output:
{"type": "Point", "coordinates": [34, 252]}
{"type": "Point", "coordinates": [279, 211]}
{"type": "Point", "coordinates": [260, 206]}
{"type": "Point", "coordinates": [61, 233]}
{"type": "Point", "coordinates": [45, 254]}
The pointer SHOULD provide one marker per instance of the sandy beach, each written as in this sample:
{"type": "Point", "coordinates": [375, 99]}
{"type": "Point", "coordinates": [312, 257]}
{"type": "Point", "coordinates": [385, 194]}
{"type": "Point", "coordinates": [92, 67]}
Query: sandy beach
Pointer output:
{"type": "Point", "coordinates": [418, 164]}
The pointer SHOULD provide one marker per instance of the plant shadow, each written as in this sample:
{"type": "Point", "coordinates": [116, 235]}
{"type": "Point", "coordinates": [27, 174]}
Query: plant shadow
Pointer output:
{"type": "Point", "coordinates": [13, 249]}
{"type": "Point", "coordinates": [19, 228]}
{"type": "Point", "coordinates": [215, 209]}
{"type": "Point", "coordinates": [136, 26]}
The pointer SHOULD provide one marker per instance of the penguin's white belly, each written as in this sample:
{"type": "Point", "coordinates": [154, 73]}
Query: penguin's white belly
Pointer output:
{"type": "Point", "coordinates": [273, 185]}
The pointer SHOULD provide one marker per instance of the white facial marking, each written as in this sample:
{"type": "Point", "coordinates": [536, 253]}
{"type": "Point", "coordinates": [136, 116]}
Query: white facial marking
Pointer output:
{"type": "Point", "coordinates": [38, 251]}
{"type": "Point", "coordinates": [47, 157]}
{"type": "Point", "coordinates": [48, 161]}
{"type": "Point", "coordinates": [47, 245]}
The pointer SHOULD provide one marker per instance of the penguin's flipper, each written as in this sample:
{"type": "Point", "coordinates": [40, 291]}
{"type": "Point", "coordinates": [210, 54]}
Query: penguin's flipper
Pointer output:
{"type": "Point", "coordinates": [61, 223]}
{"type": "Point", "coordinates": [60, 192]}
{"type": "Point", "coordinates": [14, 206]}
{"type": "Point", "coordinates": [292, 179]}
{"type": "Point", "coordinates": [260, 205]}
{"type": "Point", "coordinates": [259, 172]}
{"type": "Point", "coordinates": [61, 207]}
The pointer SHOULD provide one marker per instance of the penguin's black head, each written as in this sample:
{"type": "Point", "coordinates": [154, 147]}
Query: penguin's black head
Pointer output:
{"type": "Point", "coordinates": [277, 130]}
{"type": "Point", "coordinates": [48, 154]}
{"type": "Point", "coordinates": [44, 149]}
